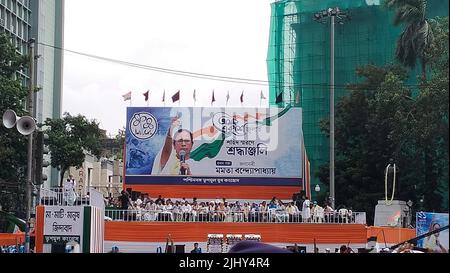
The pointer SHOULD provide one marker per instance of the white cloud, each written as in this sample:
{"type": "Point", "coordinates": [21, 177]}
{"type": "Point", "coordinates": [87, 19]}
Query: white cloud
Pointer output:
{"type": "Point", "coordinates": [228, 38]}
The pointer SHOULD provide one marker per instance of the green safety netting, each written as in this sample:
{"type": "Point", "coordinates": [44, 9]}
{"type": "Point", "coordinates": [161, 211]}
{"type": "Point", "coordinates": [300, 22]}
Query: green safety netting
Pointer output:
{"type": "Point", "coordinates": [298, 57]}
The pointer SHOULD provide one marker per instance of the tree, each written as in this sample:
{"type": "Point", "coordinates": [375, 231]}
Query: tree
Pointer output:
{"type": "Point", "coordinates": [380, 119]}
{"type": "Point", "coordinates": [430, 127]}
{"type": "Point", "coordinates": [120, 142]}
{"type": "Point", "coordinates": [69, 139]}
{"type": "Point", "coordinates": [370, 127]}
{"type": "Point", "coordinates": [416, 38]}
{"type": "Point", "coordinates": [13, 149]}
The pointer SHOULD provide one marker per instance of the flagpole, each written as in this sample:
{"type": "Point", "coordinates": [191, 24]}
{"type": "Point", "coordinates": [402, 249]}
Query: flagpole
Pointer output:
{"type": "Point", "coordinates": [164, 98]}
{"type": "Point", "coordinates": [194, 96]}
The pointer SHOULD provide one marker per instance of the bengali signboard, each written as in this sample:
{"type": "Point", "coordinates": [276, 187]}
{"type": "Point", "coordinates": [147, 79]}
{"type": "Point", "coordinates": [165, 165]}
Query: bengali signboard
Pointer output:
{"type": "Point", "coordinates": [228, 146]}
{"type": "Point", "coordinates": [63, 224]}
{"type": "Point", "coordinates": [427, 222]}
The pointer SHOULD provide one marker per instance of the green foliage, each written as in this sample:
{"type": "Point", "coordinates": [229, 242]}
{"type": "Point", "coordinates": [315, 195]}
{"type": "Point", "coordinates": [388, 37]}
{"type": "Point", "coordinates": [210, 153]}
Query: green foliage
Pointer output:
{"type": "Point", "coordinates": [13, 149]}
{"type": "Point", "coordinates": [379, 120]}
{"type": "Point", "coordinates": [10, 61]}
{"type": "Point", "coordinates": [69, 138]}
{"type": "Point", "coordinates": [417, 37]}
{"type": "Point", "coordinates": [438, 52]}
{"type": "Point", "coordinates": [120, 142]}
{"type": "Point", "coordinates": [370, 124]}
{"type": "Point", "coordinates": [431, 123]}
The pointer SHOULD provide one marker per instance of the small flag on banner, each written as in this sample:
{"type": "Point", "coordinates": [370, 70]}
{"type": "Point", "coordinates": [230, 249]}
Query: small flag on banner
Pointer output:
{"type": "Point", "coordinates": [146, 95]}
{"type": "Point", "coordinates": [262, 96]}
{"type": "Point", "coordinates": [176, 97]}
{"type": "Point", "coordinates": [195, 96]}
{"type": "Point", "coordinates": [279, 98]}
{"type": "Point", "coordinates": [164, 96]}
{"type": "Point", "coordinates": [228, 97]}
{"type": "Point", "coordinates": [213, 99]}
{"type": "Point", "coordinates": [242, 97]}
{"type": "Point", "coordinates": [127, 96]}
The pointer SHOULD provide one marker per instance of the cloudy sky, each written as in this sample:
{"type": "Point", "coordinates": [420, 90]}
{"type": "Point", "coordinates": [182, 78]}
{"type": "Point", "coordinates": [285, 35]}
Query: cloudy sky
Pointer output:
{"type": "Point", "coordinates": [218, 37]}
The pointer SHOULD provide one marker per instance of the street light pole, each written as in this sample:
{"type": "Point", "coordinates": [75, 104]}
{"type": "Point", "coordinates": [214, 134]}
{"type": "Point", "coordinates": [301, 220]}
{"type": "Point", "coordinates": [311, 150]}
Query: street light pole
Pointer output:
{"type": "Point", "coordinates": [332, 110]}
{"type": "Point", "coordinates": [333, 13]}
{"type": "Point", "coordinates": [30, 147]}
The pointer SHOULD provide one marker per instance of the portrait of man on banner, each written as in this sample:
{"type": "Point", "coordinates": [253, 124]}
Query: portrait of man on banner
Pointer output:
{"type": "Point", "coordinates": [174, 157]}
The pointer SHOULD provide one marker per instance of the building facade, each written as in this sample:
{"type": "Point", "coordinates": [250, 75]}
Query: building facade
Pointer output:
{"type": "Point", "coordinates": [104, 175]}
{"type": "Point", "coordinates": [42, 20]}
{"type": "Point", "coordinates": [298, 57]}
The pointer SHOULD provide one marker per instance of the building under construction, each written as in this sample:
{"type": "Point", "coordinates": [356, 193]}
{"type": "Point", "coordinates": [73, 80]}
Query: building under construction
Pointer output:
{"type": "Point", "coordinates": [298, 57]}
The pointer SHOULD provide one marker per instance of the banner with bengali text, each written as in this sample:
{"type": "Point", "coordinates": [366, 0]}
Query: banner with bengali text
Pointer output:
{"type": "Point", "coordinates": [63, 224]}
{"type": "Point", "coordinates": [213, 146]}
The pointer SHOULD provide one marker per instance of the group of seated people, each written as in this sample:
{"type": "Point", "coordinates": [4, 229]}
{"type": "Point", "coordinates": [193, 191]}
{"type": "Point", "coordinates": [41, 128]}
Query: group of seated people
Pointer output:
{"type": "Point", "coordinates": [220, 210]}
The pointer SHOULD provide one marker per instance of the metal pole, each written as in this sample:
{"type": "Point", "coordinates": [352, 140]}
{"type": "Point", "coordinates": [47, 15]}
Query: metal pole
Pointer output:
{"type": "Point", "coordinates": [332, 112]}
{"type": "Point", "coordinates": [30, 148]}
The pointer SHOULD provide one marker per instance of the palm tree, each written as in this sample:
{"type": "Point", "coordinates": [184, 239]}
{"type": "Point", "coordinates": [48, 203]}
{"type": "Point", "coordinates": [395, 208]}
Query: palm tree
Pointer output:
{"type": "Point", "coordinates": [417, 37]}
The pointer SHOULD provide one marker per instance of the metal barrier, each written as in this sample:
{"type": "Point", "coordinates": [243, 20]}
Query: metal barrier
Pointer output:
{"type": "Point", "coordinates": [234, 217]}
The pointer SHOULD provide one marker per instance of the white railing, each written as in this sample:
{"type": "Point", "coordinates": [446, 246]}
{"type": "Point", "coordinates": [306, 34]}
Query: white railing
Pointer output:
{"type": "Point", "coordinates": [235, 217]}
{"type": "Point", "coordinates": [62, 197]}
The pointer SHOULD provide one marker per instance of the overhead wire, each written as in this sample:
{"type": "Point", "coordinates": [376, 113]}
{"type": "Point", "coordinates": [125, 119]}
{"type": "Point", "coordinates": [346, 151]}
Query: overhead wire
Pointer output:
{"type": "Point", "coordinates": [217, 77]}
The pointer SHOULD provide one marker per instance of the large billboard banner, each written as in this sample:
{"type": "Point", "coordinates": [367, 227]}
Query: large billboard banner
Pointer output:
{"type": "Point", "coordinates": [212, 146]}
{"type": "Point", "coordinates": [427, 222]}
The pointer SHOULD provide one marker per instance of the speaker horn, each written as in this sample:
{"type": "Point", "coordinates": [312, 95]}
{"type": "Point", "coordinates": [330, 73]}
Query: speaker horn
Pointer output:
{"type": "Point", "coordinates": [26, 125]}
{"type": "Point", "coordinates": [9, 119]}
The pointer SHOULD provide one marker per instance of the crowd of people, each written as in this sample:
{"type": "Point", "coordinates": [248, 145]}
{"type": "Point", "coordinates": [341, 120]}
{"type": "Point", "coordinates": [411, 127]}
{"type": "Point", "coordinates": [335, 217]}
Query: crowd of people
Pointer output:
{"type": "Point", "coordinates": [143, 208]}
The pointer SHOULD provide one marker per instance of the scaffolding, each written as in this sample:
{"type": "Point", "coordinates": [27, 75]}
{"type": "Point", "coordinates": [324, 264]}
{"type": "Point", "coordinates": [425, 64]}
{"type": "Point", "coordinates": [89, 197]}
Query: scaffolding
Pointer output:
{"type": "Point", "coordinates": [298, 58]}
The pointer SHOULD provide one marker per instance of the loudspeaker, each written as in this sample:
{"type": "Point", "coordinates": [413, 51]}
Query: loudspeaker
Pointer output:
{"type": "Point", "coordinates": [9, 119]}
{"type": "Point", "coordinates": [26, 125]}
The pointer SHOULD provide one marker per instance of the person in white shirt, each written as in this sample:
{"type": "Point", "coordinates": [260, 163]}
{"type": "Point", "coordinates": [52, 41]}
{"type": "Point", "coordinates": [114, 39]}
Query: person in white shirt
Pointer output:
{"type": "Point", "coordinates": [176, 211]}
{"type": "Point", "coordinates": [343, 215]}
{"type": "Point", "coordinates": [281, 213]}
{"type": "Point", "coordinates": [138, 202]}
{"type": "Point", "coordinates": [186, 209]}
{"type": "Point", "coordinates": [69, 190]}
{"type": "Point", "coordinates": [194, 210]}
{"type": "Point", "coordinates": [212, 212]}
{"type": "Point", "coordinates": [329, 213]}
{"type": "Point", "coordinates": [150, 208]}
{"type": "Point", "coordinates": [246, 211]}
{"type": "Point", "coordinates": [433, 242]}
{"type": "Point", "coordinates": [203, 212]}
{"type": "Point", "coordinates": [306, 211]}
{"type": "Point", "coordinates": [318, 213]}
{"type": "Point", "coordinates": [174, 157]}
